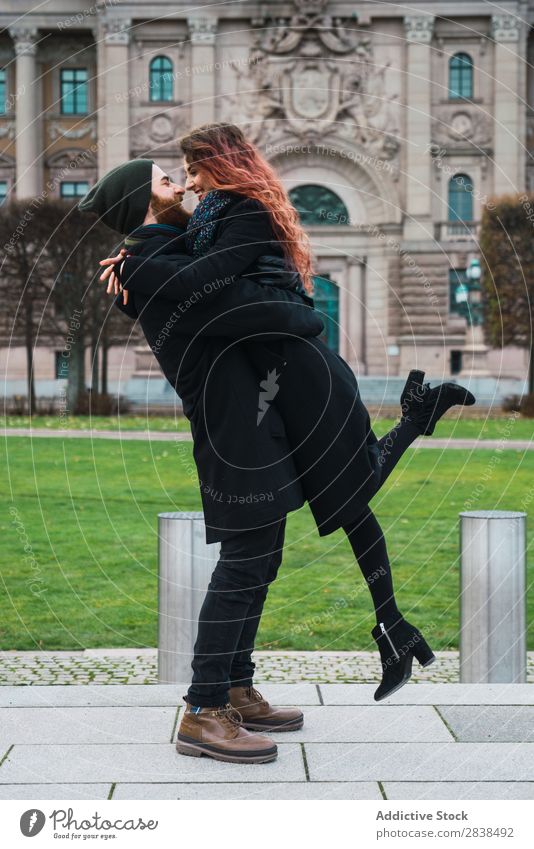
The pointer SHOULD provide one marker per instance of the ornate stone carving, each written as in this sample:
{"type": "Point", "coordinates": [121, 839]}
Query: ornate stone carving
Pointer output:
{"type": "Point", "coordinates": [57, 130]}
{"type": "Point", "coordinates": [160, 129]}
{"type": "Point", "coordinates": [309, 29]}
{"type": "Point", "coordinates": [25, 40]}
{"type": "Point", "coordinates": [419, 28]}
{"type": "Point", "coordinates": [202, 30]}
{"type": "Point", "coordinates": [116, 31]}
{"type": "Point", "coordinates": [64, 160]}
{"type": "Point", "coordinates": [294, 75]}
{"type": "Point", "coordinates": [461, 126]}
{"type": "Point", "coordinates": [458, 127]}
{"type": "Point", "coordinates": [505, 28]}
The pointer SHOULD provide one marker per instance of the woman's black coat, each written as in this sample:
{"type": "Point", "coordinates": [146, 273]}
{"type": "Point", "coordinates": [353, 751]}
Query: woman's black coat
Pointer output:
{"type": "Point", "coordinates": [313, 439]}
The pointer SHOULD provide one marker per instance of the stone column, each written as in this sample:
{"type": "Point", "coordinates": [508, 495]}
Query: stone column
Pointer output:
{"type": "Point", "coordinates": [113, 96]}
{"type": "Point", "coordinates": [202, 32]}
{"type": "Point", "coordinates": [418, 164]}
{"type": "Point", "coordinates": [508, 155]}
{"type": "Point", "coordinates": [354, 322]}
{"type": "Point", "coordinates": [376, 310]}
{"type": "Point", "coordinates": [28, 170]}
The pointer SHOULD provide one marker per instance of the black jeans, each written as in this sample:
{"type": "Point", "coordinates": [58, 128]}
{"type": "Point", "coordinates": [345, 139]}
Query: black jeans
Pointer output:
{"type": "Point", "coordinates": [231, 612]}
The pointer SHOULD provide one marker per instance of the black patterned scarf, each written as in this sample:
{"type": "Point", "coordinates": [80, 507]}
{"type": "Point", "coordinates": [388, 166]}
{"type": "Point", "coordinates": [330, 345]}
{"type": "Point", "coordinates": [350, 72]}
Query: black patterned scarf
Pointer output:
{"type": "Point", "coordinates": [200, 234]}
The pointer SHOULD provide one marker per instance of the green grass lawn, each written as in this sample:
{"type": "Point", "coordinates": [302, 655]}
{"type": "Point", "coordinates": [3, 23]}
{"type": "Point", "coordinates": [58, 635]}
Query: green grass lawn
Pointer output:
{"type": "Point", "coordinates": [79, 552]}
{"type": "Point", "coordinates": [453, 425]}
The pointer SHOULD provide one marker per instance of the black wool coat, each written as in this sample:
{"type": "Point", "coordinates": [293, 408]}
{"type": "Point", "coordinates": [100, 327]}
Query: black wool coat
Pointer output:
{"type": "Point", "coordinates": [311, 392]}
{"type": "Point", "coordinates": [246, 473]}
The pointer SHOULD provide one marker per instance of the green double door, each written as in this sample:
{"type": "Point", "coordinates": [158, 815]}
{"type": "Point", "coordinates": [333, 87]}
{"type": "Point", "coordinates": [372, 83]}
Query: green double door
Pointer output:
{"type": "Point", "coordinates": [326, 300]}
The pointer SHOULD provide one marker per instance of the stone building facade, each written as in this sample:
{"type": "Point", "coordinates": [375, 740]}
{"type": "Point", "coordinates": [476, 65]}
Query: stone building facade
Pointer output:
{"type": "Point", "coordinates": [389, 129]}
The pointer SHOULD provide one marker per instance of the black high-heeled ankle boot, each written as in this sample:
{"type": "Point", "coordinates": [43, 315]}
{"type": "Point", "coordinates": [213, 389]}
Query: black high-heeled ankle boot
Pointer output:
{"type": "Point", "coordinates": [426, 410]}
{"type": "Point", "coordinates": [413, 391]}
{"type": "Point", "coordinates": [398, 643]}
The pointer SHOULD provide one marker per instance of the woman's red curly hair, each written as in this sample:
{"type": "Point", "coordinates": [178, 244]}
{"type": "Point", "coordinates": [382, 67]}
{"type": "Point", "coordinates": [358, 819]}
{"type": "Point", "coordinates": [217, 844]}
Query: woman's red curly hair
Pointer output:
{"type": "Point", "coordinates": [234, 164]}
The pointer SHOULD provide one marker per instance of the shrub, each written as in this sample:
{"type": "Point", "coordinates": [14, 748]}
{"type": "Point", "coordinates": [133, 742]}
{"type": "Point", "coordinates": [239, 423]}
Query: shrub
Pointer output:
{"type": "Point", "coordinates": [523, 404]}
{"type": "Point", "coordinates": [101, 404]}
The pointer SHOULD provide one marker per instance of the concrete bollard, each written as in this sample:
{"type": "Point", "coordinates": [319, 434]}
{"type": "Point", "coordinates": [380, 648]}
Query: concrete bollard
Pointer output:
{"type": "Point", "coordinates": [186, 564]}
{"type": "Point", "coordinates": [493, 597]}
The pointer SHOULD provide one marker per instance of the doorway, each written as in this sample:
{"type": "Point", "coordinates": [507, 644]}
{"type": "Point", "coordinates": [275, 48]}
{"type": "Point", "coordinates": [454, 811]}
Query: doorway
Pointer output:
{"type": "Point", "coordinates": [326, 300]}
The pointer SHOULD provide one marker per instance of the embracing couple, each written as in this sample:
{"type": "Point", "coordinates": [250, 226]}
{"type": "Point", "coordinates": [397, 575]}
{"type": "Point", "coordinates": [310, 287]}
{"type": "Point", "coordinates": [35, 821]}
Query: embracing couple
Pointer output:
{"type": "Point", "coordinates": [224, 298]}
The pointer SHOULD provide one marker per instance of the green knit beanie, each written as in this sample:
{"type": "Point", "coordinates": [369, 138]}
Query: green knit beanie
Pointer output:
{"type": "Point", "coordinates": [122, 196]}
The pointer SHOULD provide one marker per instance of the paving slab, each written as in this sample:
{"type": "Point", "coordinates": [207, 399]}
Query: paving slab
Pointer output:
{"type": "Point", "coordinates": [86, 725]}
{"type": "Point", "coordinates": [55, 791]}
{"type": "Point", "coordinates": [459, 790]}
{"type": "Point", "coordinates": [479, 723]}
{"type": "Point", "coordinates": [370, 724]}
{"type": "Point", "coordinates": [251, 790]}
{"type": "Point", "coordinates": [431, 694]}
{"type": "Point", "coordinates": [420, 761]}
{"type": "Point", "coordinates": [153, 762]}
{"type": "Point", "coordinates": [126, 695]}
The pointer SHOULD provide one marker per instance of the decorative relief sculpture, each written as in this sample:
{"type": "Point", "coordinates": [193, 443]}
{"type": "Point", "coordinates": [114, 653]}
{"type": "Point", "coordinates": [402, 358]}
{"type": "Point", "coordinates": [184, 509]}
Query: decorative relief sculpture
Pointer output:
{"type": "Point", "coordinates": [453, 127]}
{"type": "Point", "coordinates": [294, 85]}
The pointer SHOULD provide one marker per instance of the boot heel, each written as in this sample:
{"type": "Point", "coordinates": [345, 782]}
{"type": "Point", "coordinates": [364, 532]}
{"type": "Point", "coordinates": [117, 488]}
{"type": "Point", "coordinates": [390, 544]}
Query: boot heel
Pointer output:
{"type": "Point", "coordinates": [422, 652]}
{"type": "Point", "coordinates": [184, 749]}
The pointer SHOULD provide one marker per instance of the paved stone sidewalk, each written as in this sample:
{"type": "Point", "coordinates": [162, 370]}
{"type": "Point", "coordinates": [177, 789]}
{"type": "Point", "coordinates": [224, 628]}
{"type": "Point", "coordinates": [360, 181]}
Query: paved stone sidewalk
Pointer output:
{"type": "Point", "coordinates": [158, 436]}
{"type": "Point", "coordinates": [428, 741]}
{"type": "Point", "coordinates": [139, 666]}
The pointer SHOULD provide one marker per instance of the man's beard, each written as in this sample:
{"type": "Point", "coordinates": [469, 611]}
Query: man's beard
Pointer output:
{"type": "Point", "coordinates": [166, 211]}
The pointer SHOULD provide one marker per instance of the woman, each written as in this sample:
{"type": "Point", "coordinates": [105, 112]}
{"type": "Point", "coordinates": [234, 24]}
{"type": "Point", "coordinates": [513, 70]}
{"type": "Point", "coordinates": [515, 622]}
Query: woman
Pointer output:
{"type": "Point", "coordinates": [341, 463]}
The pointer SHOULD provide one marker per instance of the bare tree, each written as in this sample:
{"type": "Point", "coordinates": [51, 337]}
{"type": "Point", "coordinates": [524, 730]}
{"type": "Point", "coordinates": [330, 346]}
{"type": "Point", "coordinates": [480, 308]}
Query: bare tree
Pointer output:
{"type": "Point", "coordinates": [506, 246]}
{"type": "Point", "coordinates": [49, 286]}
{"type": "Point", "coordinates": [21, 282]}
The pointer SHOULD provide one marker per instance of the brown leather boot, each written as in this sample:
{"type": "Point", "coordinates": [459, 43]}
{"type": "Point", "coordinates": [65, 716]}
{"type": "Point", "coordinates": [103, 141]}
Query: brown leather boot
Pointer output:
{"type": "Point", "coordinates": [217, 732]}
{"type": "Point", "coordinates": [258, 715]}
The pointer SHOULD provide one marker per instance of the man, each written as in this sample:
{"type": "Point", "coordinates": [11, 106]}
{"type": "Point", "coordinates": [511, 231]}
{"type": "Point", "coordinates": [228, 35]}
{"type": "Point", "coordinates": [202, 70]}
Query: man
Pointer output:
{"type": "Point", "coordinates": [246, 473]}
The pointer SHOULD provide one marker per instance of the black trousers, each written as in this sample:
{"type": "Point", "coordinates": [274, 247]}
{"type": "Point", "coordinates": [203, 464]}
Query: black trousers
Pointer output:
{"type": "Point", "coordinates": [231, 612]}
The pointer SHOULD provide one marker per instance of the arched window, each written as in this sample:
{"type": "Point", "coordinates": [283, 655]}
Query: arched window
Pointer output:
{"type": "Point", "coordinates": [161, 78]}
{"type": "Point", "coordinates": [318, 205]}
{"type": "Point", "coordinates": [460, 76]}
{"type": "Point", "coordinates": [460, 202]}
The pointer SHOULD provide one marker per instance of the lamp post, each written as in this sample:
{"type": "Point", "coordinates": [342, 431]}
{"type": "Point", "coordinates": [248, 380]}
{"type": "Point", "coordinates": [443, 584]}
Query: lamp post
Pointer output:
{"type": "Point", "coordinates": [475, 350]}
